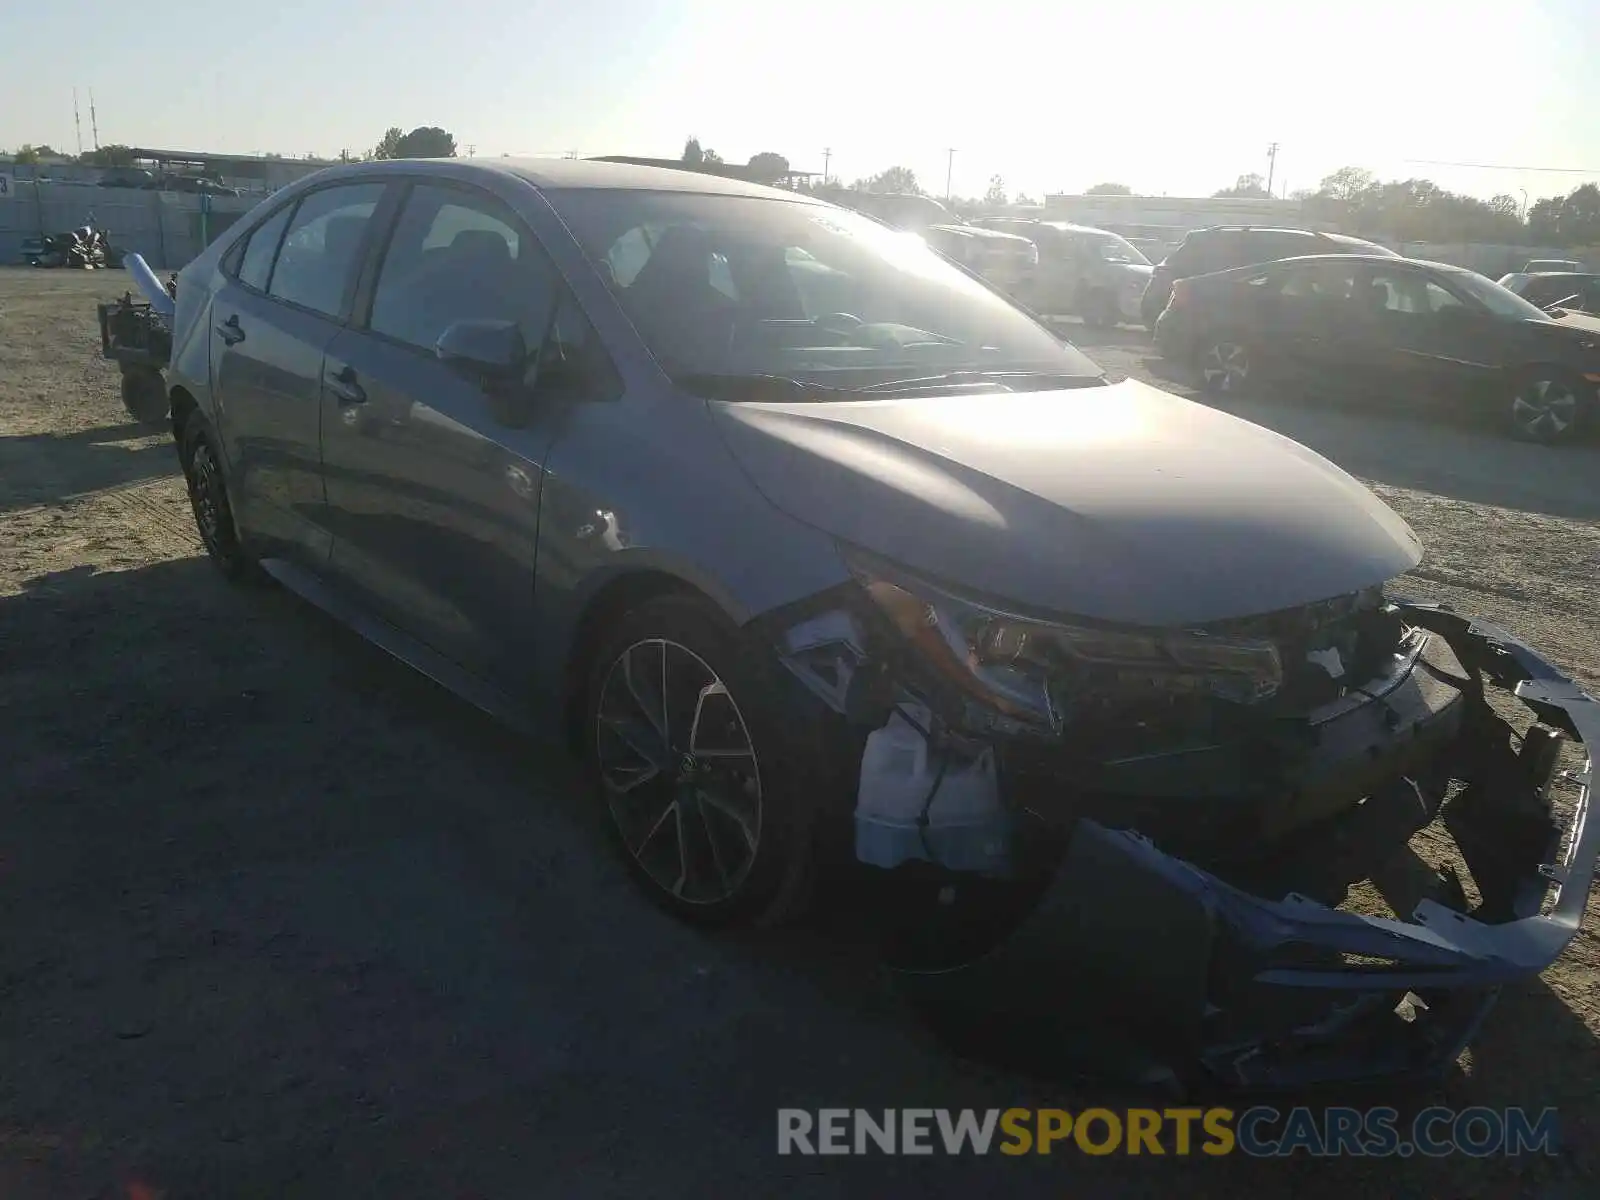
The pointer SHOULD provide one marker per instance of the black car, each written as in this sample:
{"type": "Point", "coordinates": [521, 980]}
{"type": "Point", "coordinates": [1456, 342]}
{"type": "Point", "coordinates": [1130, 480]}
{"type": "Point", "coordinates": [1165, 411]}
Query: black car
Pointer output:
{"type": "Point", "coordinates": [127, 177]}
{"type": "Point", "coordinates": [1225, 246]}
{"type": "Point", "coordinates": [1578, 291]}
{"type": "Point", "coordinates": [1392, 328]}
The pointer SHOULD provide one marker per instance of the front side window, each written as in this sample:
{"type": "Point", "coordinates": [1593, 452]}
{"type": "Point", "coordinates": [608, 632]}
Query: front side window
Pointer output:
{"type": "Point", "coordinates": [317, 264]}
{"type": "Point", "coordinates": [744, 285]}
{"type": "Point", "coordinates": [459, 255]}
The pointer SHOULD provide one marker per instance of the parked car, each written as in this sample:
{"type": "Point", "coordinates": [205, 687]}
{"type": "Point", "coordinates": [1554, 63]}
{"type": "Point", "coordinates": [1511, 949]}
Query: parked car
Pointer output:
{"type": "Point", "coordinates": [1225, 246]}
{"type": "Point", "coordinates": [904, 572]}
{"type": "Point", "coordinates": [1577, 291]}
{"type": "Point", "coordinates": [1082, 271]}
{"type": "Point", "coordinates": [1417, 334]}
{"type": "Point", "coordinates": [1006, 260]}
{"type": "Point", "coordinates": [127, 177]}
{"type": "Point", "coordinates": [1538, 266]}
{"type": "Point", "coordinates": [195, 184]}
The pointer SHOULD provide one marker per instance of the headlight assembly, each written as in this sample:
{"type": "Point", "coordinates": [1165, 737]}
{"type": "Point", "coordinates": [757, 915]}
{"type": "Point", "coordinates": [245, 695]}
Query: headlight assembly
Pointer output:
{"type": "Point", "coordinates": [1040, 671]}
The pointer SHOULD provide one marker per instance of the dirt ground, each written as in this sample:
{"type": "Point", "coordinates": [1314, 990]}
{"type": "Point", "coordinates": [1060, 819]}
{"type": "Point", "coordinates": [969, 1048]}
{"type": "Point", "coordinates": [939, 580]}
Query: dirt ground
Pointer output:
{"type": "Point", "coordinates": [277, 917]}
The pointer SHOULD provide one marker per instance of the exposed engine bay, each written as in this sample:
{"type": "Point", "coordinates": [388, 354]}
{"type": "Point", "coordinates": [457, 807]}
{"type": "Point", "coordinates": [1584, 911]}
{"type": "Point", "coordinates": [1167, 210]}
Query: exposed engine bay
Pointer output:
{"type": "Point", "coordinates": [1161, 825]}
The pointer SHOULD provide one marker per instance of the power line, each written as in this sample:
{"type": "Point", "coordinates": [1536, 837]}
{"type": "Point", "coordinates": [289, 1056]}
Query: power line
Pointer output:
{"type": "Point", "coordinates": [1435, 162]}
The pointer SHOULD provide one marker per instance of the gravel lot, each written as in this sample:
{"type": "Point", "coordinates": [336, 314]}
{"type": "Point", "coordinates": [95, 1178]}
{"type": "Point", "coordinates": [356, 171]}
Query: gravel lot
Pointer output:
{"type": "Point", "coordinates": [280, 918]}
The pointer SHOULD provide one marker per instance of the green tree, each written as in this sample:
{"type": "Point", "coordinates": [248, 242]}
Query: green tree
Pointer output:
{"type": "Point", "coordinates": [107, 156]}
{"type": "Point", "coordinates": [1250, 186]}
{"type": "Point", "coordinates": [425, 141]}
{"type": "Point", "coordinates": [692, 153]}
{"type": "Point", "coordinates": [895, 180]}
{"type": "Point", "coordinates": [996, 196]}
{"type": "Point", "coordinates": [389, 144]}
{"type": "Point", "coordinates": [768, 167]}
{"type": "Point", "coordinates": [1109, 189]}
{"type": "Point", "coordinates": [30, 154]}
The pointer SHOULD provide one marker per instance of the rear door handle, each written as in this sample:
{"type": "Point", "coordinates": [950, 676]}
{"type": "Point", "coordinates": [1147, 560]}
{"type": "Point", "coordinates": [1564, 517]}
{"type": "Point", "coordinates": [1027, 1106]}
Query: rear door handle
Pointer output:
{"type": "Point", "coordinates": [344, 386]}
{"type": "Point", "coordinates": [230, 331]}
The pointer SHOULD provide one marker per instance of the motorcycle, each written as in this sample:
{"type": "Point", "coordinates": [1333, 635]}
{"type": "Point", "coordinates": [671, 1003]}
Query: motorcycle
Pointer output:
{"type": "Point", "coordinates": [85, 248]}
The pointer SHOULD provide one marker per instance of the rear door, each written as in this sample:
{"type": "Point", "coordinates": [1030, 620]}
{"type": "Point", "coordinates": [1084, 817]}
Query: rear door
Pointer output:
{"type": "Point", "coordinates": [1320, 343]}
{"type": "Point", "coordinates": [271, 323]}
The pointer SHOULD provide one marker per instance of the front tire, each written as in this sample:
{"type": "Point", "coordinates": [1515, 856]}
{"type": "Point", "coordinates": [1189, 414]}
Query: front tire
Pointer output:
{"type": "Point", "coordinates": [1548, 405]}
{"type": "Point", "coordinates": [706, 792]}
{"type": "Point", "coordinates": [211, 505]}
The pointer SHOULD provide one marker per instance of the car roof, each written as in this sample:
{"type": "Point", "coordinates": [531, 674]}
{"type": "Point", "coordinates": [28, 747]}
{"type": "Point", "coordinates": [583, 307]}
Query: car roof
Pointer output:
{"type": "Point", "coordinates": [572, 174]}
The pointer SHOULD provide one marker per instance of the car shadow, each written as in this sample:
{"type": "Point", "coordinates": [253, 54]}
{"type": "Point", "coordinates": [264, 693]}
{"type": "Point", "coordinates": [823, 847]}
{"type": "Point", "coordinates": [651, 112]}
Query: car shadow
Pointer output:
{"type": "Point", "coordinates": [46, 468]}
{"type": "Point", "coordinates": [280, 911]}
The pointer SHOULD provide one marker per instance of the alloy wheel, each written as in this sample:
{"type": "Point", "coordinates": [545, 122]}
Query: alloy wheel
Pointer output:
{"type": "Point", "coordinates": [1225, 367]}
{"type": "Point", "coordinates": [679, 771]}
{"type": "Point", "coordinates": [1544, 409]}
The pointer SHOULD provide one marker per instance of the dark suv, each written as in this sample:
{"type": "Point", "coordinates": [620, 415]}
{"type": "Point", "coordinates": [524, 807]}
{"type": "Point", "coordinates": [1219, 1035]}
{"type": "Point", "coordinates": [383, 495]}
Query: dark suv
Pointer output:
{"type": "Point", "coordinates": [1224, 247]}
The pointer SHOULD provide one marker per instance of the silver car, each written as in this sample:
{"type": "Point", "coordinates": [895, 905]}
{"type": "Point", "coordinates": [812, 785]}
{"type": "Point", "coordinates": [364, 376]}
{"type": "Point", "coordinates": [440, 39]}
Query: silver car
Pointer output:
{"type": "Point", "coordinates": [830, 562]}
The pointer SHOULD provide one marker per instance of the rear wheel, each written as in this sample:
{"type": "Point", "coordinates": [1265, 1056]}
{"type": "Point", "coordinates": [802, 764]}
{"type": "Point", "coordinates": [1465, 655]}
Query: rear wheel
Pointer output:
{"type": "Point", "coordinates": [705, 793]}
{"type": "Point", "coordinates": [1226, 367]}
{"type": "Point", "coordinates": [1547, 405]}
{"type": "Point", "coordinates": [213, 510]}
{"type": "Point", "coordinates": [144, 395]}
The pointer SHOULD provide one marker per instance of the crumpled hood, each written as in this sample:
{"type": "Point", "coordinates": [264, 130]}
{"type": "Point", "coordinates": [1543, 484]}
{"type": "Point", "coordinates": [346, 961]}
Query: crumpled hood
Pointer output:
{"type": "Point", "coordinates": [1121, 503]}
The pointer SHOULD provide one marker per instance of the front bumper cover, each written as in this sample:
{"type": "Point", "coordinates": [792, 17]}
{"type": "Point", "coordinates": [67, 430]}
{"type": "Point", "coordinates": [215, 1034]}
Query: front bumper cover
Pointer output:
{"type": "Point", "coordinates": [1182, 977]}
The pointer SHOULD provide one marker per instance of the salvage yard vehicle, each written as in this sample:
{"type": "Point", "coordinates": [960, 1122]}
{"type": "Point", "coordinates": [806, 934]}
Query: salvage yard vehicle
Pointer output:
{"type": "Point", "coordinates": [1083, 271]}
{"type": "Point", "coordinates": [1105, 683]}
{"type": "Point", "coordinates": [1223, 247]}
{"type": "Point", "coordinates": [1007, 260]}
{"type": "Point", "coordinates": [1414, 334]}
{"type": "Point", "coordinates": [137, 336]}
{"type": "Point", "coordinates": [1575, 291]}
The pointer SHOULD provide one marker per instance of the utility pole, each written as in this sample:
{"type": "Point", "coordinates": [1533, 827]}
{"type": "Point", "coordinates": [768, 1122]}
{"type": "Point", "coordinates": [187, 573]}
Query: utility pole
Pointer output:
{"type": "Point", "coordinates": [472, 150]}
{"type": "Point", "coordinates": [94, 124]}
{"type": "Point", "coordinates": [1272, 164]}
{"type": "Point", "coordinates": [827, 153]}
{"type": "Point", "coordinates": [77, 121]}
{"type": "Point", "coordinates": [949, 171]}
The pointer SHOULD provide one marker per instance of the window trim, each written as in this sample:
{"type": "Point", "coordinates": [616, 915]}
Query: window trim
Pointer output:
{"type": "Point", "coordinates": [363, 252]}
{"type": "Point", "coordinates": [360, 316]}
{"type": "Point", "coordinates": [242, 245]}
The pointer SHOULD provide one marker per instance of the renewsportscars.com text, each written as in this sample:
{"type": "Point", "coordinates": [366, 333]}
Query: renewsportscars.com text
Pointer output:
{"type": "Point", "coordinates": [1257, 1132]}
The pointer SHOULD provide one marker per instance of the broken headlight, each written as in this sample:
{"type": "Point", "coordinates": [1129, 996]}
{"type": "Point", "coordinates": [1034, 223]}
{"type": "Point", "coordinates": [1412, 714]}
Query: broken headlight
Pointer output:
{"type": "Point", "coordinates": [1038, 671]}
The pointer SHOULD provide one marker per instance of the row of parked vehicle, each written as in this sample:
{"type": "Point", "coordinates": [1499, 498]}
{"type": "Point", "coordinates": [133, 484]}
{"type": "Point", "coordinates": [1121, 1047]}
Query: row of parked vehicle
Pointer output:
{"type": "Point", "coordinates": [144, 179]}
{"type": "Point", "coordinates": [1324, 316]}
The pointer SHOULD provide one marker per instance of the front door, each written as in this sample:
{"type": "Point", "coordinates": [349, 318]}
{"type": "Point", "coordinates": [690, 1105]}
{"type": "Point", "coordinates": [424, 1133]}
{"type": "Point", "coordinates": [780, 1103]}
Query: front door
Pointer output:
{"type": "Point", "coordinates": [1431, 348]}
{"type": "Point", "coordinates": [433, 482]}
{"type": "Point", "coordinates": [271, 323]}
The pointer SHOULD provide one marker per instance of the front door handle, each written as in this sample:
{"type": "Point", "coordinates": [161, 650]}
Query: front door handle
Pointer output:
{"type": "Point", "coordinates": [230, 331]}
{"type": "Point", "coordinates": [345, 388]}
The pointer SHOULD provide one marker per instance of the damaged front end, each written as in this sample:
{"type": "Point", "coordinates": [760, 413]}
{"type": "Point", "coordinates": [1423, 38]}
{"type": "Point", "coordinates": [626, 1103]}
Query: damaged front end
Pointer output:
{"type": "Point", "coordinates": [1173, 822]}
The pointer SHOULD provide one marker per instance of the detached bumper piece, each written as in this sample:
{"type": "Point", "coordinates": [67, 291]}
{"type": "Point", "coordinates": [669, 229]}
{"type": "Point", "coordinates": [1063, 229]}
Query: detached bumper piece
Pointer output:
{"type": "Point", "coordinates": [1140, 957]}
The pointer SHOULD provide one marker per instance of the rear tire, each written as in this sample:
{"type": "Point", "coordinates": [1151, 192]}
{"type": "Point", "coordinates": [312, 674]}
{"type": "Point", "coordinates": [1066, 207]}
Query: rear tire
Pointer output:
{"type": "Point", "coordinates": [707, 784]}
{"type": "Point", "coordinates": [213, 509]}
{"type": "Point", "coordinates": [144, 395]}
{"type": "Point", "coordinates": [1548, 405]}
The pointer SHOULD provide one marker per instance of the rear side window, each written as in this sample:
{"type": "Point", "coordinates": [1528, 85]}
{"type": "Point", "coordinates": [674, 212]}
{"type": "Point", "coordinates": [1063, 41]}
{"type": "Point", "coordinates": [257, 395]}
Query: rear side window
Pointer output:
{"type": "Point", "coordinates": [323, 244]}
{"type": "Point", "coordinates": [1273, 246]}
{"type": "Point", "coordinates": [261, 247]}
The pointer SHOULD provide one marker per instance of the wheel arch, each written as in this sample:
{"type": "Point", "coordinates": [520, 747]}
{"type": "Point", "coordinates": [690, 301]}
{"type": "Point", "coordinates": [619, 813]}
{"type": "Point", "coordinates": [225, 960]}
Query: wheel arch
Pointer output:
{"type": "Point", "coordinates": [606, 603]}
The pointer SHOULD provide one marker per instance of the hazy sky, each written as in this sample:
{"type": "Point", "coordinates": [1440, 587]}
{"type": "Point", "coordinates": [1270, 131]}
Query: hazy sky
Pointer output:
{"type": "Point", "coordinates": [1164, 95]}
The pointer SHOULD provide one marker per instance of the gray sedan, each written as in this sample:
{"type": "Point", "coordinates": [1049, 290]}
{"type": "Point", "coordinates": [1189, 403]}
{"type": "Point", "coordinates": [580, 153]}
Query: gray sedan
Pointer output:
{"type": "Point", "coordinates": [820, 552]}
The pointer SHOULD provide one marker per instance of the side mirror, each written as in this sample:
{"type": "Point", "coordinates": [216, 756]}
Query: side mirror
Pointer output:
{"type": "Point", "coordinates": [494, 350]}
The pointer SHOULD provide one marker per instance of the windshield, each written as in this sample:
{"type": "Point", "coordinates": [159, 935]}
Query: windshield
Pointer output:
{"type": "Point", "coordinates": [724, 286]}
{"type": "Point", "coordinates": [1503, 302]}
{"type": "Point", "coordinates": [1110, 248]}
